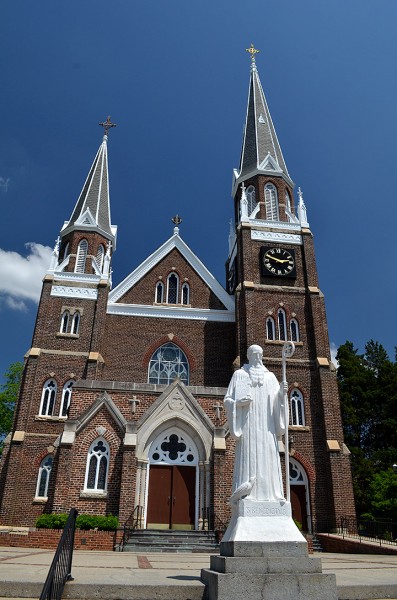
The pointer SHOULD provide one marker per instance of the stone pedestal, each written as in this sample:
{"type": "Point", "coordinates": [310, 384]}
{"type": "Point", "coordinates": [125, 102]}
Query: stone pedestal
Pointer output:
{"type": "Point", "coordinates": [264, 557]}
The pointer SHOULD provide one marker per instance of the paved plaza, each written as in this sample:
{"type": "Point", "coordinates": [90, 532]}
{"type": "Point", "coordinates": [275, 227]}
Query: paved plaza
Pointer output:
{"type": "Point", "coordinates": [114, 575]}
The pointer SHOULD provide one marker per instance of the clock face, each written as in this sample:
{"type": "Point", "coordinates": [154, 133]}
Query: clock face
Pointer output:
{"type": "Point", "coordinates": [278, 262]}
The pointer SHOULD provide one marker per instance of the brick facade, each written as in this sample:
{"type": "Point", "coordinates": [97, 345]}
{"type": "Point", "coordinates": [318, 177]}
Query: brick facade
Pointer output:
{"type": "Point", "coordinates": [113, 401]}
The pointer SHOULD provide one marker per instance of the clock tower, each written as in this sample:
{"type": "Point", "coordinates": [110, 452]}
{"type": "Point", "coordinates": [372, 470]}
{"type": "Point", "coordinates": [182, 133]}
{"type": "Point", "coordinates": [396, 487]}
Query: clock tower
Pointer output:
{"type": "Point", "coordinates": [271, 271]}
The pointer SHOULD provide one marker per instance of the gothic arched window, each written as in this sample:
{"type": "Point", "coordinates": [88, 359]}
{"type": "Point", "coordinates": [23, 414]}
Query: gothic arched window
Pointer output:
{"type": "Point", "coordinates": [159, 292]}
{"type": "Point", "coordinates": [172, 288]}
{"type": "Point", "coordinates": [167, 363]}
{"type": "Point", "coordinates": [297, 408]}
{"type": "Point", "coordinates": [294, 330]}
{"type": "Point", "coordinates": [100, 255]}
{"type": "Point", "coordinates": [75, 323]}
{"type": "Point", "coordinates": [81, 257]}
{"type": "Point", "coordinates": [270, 329]}
{"type": "Point", "coordinates": [64, 322]}
{"type": "Point", "coordinates": [48, 396]}
{"type": "Point", "coordinates": [97, 466]}
{"type": "Point", "coordinates": [185, 294]}
{"type": "Point", "coordinates": [66, 398]}
{"type": "Point", "coordinates": [251, 200]}
{"type": "Point", "coordinates": [44, 477]}
{"type": "Point", "coordinates": [271, 202]}
{"type": "Point", "coordinates": [282, 324]}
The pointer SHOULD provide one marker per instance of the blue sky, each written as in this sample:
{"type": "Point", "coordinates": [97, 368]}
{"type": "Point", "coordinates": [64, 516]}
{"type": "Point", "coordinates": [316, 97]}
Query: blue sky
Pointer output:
{"type": "Point", "coordinates": [174, 77]}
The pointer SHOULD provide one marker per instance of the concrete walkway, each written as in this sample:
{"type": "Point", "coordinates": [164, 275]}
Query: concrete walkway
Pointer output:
{"type": "Point", "coordinates": [128, 576]}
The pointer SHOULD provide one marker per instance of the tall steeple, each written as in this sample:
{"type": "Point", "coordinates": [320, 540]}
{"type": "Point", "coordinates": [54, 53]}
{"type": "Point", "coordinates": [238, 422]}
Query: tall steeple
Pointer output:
{"type": "Point", "coordinates": [92, 209]}
{"type": "Point", "coordinates": [261, 152]}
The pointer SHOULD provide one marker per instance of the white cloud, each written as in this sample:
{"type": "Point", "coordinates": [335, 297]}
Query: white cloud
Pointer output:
{"type": "Point", "coordinates": [21, 276]}
{"type": "Point", "coordinates": [4, 183]}
{"type": "Point", "coordinates": [334, 350]}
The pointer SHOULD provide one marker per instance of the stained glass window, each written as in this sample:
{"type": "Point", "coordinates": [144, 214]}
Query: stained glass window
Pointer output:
{"type": "Point", "coordinates": [271, 202]}
{"type": "Point", "coordinates": [48, 398]}
{"type": "Point", "coordinates": [167, 363]}
{"type": "Point", "coordinates": [172, 289]}
{"type": "Point", "coordinates": [294, 328]}
{"type": "Point", "coordinates": [297, 408]}
{"type": "Point", "coordinates": [282, 329]}
{"type": "Point", "coordinates": [270, 328]}
{"type": "Point", "coordinates": [66, 398]}
{"type": "Point", "coordinates": [44, 477]}
{"type": "Point", "coordinates": [97, 466]}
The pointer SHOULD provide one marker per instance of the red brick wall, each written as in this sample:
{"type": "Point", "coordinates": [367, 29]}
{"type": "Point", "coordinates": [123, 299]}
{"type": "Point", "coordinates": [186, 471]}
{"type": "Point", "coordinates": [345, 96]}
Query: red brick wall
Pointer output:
{"type": "Point", "coordinates": [49, 538]}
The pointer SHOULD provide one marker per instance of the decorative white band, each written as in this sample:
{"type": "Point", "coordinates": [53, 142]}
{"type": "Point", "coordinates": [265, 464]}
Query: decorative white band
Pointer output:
{"type": "Point", "coordinates": [74, 292]}
{"type": "Point", "coordinates": [166, 312]}
{"type": "Point", "coordinates": [272, 236]}
{"type": "Point", "coordinates": [282, 225]}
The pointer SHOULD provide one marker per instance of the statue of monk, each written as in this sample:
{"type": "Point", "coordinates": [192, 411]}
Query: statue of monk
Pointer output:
{"type": "Point", "coordinates": [254, 405]}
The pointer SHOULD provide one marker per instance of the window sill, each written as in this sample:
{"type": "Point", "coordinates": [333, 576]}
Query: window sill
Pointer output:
{"type": "Point", "coordinates": [298, 428]}
{"type": "Point", "coordinates": [281, 342]}
{"type": "Point", "coordinates": [39, 500]}
{"type": "Point", "coordinates": [55, 419]}
{"type": "Point", "coordinates": [68, 335]}
{"type": "Point", "coordinates": [93, 495]}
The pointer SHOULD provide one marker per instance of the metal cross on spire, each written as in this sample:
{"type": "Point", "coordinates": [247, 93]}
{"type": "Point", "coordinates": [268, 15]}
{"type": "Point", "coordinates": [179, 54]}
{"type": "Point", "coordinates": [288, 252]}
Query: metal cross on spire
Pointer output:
{"type": "Point", "coordinates": [177, 221]}
{"type": "Point", "coordinates": [252, 52]}
{"type": "Point", "coordinates": [107, 125]}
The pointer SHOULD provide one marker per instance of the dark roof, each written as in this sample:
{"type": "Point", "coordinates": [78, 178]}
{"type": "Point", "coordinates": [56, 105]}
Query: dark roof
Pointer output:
{"type": "Point", "coordinates": [260, 138]}
{"type": "Point", "coordinates": [95, 192]}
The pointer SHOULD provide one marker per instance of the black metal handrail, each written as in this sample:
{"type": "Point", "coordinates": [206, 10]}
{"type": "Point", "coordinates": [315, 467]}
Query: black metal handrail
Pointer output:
{"type": "Point", "coordinates": [133, 522]}
{"type": "Point", "coordinates": [61, 567]}
{"type": "Point", "coordinates": [212, 522]}
{"type": "Point", "coordinates": [380, 531]}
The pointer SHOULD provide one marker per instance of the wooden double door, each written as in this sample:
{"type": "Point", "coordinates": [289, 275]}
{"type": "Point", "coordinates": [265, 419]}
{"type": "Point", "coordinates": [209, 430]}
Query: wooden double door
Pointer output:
{"type": "Point", "coordinates": [298, 504]}
{"type": "Point", "coordinates": [171, 497]}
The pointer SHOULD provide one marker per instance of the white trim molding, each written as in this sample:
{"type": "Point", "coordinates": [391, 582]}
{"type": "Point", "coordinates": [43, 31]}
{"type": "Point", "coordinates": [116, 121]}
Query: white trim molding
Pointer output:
{"type": "Point", "coordinates": [273, 236]}
{"type": "Point", "coordinates": [170, 312]}
{"type": "Point", "coordinates": [74, 292]}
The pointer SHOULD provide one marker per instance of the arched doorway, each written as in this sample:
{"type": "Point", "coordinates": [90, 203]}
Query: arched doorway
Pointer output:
{"type": "Point", "coordinates": [172, 489]}
{"type": "Point", "coordinates": [300, 502]}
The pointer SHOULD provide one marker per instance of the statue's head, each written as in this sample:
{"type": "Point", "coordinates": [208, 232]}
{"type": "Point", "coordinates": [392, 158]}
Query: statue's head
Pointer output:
{"type": "Point", "coordinates": [255, 354]}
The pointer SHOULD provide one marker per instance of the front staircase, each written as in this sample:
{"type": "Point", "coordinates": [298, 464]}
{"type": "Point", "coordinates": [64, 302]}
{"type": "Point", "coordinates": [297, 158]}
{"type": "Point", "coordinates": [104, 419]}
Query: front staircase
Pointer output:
{"type": "Point", "coordinates": [171, 540]}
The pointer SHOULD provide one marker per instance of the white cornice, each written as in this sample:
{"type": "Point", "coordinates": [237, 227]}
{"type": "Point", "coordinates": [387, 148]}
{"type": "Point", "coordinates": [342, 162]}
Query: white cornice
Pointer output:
{"type": "Point", "coordinates": [282, 225]}
{"type": "Point", "coordinates": [77, 277]}
{"type": "Point", "coordinates": [276, 236]}
{"type": "Point", "coordinates": [170, 312]}
{"type": "Point", "coordinates": [74, 292]}
{"type": "Point", "coordinates": [173, 242]}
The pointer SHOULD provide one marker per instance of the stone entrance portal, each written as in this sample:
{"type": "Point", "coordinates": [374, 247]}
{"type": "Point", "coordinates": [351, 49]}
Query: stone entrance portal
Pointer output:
{"type": "Point", "coordinates": [173, 482]}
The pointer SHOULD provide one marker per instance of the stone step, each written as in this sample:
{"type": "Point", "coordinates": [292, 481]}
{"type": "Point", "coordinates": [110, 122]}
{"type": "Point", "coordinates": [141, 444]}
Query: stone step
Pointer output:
{"type": "Point", "coordinates": [160, 540]}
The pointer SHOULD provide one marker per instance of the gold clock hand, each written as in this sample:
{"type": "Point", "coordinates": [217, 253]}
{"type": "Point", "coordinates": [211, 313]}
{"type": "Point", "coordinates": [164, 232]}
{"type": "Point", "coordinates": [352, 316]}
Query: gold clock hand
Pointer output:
{"type": "Point", "coordinates": [280, 260]}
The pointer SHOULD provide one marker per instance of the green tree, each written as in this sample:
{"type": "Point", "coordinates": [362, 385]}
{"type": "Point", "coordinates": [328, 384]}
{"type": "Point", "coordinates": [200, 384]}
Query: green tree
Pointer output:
{"type": "Point", "coordinates": [8, 397]}
{"type": "Point", "coordinates": [384, 494]}
{"type": "Point", "coordinates": [368, 392]}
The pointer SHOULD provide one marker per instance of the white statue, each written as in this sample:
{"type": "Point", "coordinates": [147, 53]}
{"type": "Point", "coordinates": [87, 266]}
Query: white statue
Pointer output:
{"type": "Point", "coordinates": [255, 411]}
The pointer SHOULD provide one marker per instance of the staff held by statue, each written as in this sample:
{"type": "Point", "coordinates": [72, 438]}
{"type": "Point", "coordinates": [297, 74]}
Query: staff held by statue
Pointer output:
{"type": "Point", "coordinates": [288, 351]}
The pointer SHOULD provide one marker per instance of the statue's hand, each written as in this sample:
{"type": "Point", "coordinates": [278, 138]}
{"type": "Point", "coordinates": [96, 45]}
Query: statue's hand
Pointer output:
{"type": "Point", "coordinates": [244, 401]}
{"type": "Point", "coordinates": [284, 387]}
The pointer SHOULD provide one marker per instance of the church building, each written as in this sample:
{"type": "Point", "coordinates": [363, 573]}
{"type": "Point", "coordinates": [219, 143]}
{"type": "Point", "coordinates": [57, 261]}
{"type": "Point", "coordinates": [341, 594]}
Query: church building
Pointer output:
{"type": "Point", "coordinates": [121, 402]}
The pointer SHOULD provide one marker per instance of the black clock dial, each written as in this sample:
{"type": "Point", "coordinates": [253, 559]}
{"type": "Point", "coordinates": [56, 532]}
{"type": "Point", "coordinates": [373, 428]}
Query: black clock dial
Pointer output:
{"type": "Point", "coordinates": [278, 262]}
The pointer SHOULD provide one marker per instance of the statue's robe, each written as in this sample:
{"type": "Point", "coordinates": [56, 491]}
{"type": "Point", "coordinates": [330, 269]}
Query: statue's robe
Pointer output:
{"type": "Point", "coordinates": [256, 426]}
